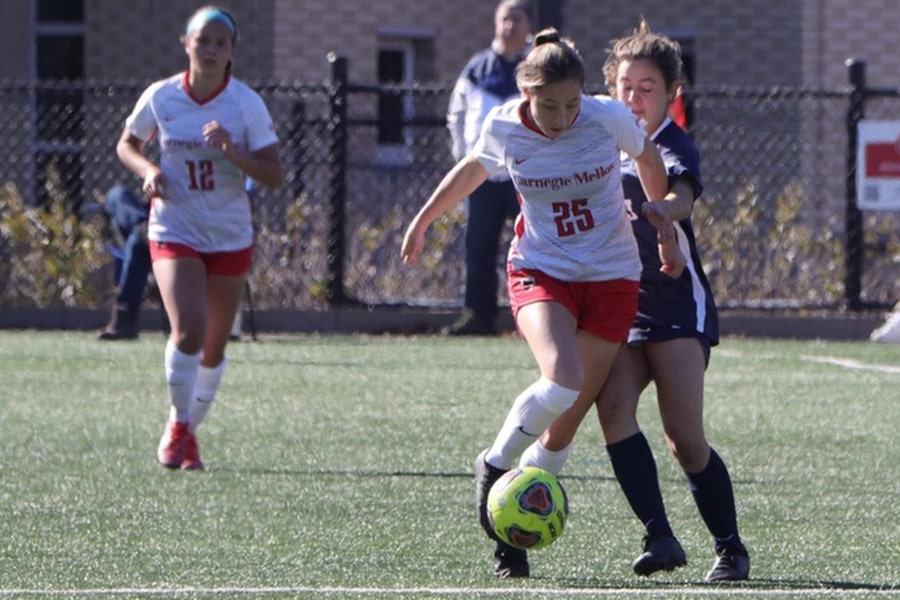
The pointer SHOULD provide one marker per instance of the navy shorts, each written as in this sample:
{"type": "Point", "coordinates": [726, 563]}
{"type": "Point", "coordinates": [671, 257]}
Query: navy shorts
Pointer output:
{"type": "Point", "coordinates": [662, 333]}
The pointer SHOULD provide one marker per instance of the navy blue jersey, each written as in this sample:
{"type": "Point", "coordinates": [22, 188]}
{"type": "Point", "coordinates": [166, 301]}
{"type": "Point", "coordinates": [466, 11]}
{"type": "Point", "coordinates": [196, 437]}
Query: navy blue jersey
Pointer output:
{"type": "Point", "coordinates": [492, 73]}
{"type": "Point", "coordinates": [670, 308]}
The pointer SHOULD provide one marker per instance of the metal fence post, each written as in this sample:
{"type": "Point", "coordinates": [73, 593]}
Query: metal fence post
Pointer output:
{"type": "Point", "coordinates": [337, 171]}
{"type": "Point", "coordinates": [295, 148]}
{"type": "Point", "coordinates": [853, 253]}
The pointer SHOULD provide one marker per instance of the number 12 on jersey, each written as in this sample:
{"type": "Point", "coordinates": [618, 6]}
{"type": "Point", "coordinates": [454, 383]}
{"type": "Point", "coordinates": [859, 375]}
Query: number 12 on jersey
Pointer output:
{"type": "Point", "coordinates": [572, 217]}
{"type": "Point", "coordinates": [200, 175]}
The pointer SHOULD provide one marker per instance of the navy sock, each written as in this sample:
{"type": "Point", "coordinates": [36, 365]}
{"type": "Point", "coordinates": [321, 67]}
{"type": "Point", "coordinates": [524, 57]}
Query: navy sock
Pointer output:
{"type": "Point", "coordinates": [634, 466]}
{"type": "Point", "coordinates": [714, 496]}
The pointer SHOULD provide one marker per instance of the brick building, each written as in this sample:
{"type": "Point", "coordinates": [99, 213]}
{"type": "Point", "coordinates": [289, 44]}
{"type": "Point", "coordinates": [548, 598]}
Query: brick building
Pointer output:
{"type": "Point", "coordinates": [751, 43]}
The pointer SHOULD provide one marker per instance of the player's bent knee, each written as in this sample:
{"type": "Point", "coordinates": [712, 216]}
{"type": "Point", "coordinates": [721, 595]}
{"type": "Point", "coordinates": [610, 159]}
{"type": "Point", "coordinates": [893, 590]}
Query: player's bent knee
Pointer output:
{"type": "Point", "coordinates": [555, 398]}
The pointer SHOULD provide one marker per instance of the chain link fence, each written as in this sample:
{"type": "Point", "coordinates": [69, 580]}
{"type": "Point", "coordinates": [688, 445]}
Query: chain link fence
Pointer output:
{"type": "Point", "coordinates": [361, 159]}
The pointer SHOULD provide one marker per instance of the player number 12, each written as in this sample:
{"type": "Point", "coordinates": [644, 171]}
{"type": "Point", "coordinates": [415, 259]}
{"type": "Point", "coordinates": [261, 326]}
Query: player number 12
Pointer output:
{"type": "Point", "coordinates": [200, 173]}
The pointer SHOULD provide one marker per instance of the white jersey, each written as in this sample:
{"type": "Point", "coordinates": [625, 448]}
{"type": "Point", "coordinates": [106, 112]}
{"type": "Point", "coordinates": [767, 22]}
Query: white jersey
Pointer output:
{"type": "Point", "coordinates": [206, 205]}
{"type": "Point", "coordinates": [573, 225]}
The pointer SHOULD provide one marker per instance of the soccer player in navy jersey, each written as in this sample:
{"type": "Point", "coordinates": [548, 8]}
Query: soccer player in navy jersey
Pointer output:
{"type": "Point", "coordinates": [670, 340]}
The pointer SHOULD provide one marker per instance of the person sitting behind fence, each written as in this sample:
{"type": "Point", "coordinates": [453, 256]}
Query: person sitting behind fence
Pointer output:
{"type": "Point", "coordinates": [128, 215]}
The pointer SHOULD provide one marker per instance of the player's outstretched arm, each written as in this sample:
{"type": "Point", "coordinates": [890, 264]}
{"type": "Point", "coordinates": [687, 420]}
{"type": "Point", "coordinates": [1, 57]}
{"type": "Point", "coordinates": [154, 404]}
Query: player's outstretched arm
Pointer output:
{"type": "Point", "coordinates": [459, 182]}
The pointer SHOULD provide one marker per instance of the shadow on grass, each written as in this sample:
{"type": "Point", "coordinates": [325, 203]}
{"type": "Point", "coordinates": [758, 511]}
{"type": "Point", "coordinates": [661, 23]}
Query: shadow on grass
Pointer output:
{"type": "Point", "coordinates": [823, 585]}
{"type": "Point", "coordinates": [413, 474]}
{"type": "Point", "coordinates": [373, 473]}
{"type": "Point", "coordinates": [762, 584]}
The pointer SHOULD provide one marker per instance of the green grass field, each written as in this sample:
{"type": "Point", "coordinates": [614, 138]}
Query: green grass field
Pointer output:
{"type": "Point", "coordinates": [341, 467]}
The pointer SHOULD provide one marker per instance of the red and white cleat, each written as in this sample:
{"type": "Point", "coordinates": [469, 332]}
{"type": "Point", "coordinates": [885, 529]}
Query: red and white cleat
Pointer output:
{"type": "Point", "coordinates": [191, 460]}
{"type": "Point", "coordinates": [173, 445]}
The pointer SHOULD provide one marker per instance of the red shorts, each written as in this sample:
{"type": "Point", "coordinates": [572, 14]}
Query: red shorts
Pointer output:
{"type": "Point", "coordinates": [603, 308]}
{"type": "Point", "coordinates": [231, 263]}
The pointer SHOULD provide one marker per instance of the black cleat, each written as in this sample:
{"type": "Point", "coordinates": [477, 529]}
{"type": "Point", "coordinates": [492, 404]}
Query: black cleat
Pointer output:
{"type": "Point", "coordinates": [510, 562]}
{"type": "Point", "coordinates": [470, 324]}
{"type": "Point", "coordinates": [485, 477]}
{"type": "Point", "coordinates": [123, 325]}
{"type": "Point", "coordinates": [732, 564]}
{"type": "Point", "coordinates": [662, 553]}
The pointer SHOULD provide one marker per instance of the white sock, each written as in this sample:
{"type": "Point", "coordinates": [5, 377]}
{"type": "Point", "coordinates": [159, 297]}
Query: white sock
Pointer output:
{"type": "Point", "coordinates": [181, 373]}
{"type": "Point", "coordinates": [536, 455]}
{"type": "Point", "coordinates": [532, 412]}
{"type": "Point", "coordinates": [205, 388]}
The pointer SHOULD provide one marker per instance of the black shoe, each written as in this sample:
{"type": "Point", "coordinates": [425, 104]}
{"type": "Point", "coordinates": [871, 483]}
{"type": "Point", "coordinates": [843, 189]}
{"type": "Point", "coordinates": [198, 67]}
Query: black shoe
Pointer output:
{"type": "Point", "coordinates": [662, 553]}
{"type": "Point", "coordinates": [112, 335]}
{"type": "Point", "coordinates": [732, 563]}
{"type": "Point", "coordinates": [123, 325]}
{"type": "Point", "coordinates": [729, 568]}
{"type": "Point", "coordinates": [485, 477]}
{"type": "Point", "coordinates": [510, 562]}
{"type": "Point", "coordinates": [470, 324]}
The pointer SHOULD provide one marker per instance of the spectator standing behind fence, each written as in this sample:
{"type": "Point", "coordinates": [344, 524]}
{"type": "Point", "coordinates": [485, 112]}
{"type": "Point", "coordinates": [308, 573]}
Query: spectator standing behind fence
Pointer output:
{"type": "Point", "coordinates": [573, 265]}
{"type": "Point", "coordinates": [128, 215]}
{"type": "Point", "coordinates": [669, 343]}
{"type": "Point", "coordinates": [488, 80]}
{"type": "Point", "coordinates": [213, 131]}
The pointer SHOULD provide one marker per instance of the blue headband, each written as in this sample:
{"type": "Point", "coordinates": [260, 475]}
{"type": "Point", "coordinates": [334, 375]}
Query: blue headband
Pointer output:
{"type": "Point", "coordinates": [211, 14]}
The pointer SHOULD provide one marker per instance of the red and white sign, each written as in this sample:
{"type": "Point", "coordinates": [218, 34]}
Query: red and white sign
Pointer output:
{"type": "Point", "coordinates": [878, 165]}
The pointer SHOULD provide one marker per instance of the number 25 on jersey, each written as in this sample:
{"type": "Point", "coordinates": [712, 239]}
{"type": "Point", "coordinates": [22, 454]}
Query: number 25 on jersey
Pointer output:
{"type": "Point", "coordinates": [572, 217]}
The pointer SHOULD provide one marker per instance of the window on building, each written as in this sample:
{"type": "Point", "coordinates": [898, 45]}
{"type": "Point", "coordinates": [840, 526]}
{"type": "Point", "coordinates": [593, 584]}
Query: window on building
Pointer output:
{"type": "Point", "coordinates": [59, 59]}
{"type": "Point", "coordinates": [395, 66]}
{"type": "Point", "coordinates": [393, 105]}
{"type": "Point", "coordinates": [60, 11]}
{"type": "Point", "coordinates": [405, 55]}
{"type": "Point", "coordinates": [58, 127]}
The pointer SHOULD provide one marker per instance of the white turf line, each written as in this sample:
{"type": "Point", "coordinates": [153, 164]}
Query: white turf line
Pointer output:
{"type": "Point", "coordinates": [826, 360]}
{"type": "Point", "coordinates": [851, 364]}
{"type": "Point", "coordinates": [727, 590]}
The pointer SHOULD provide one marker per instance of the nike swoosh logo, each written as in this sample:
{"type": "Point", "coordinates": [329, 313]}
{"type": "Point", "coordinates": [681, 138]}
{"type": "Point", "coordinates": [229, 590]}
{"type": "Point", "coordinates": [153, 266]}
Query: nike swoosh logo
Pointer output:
{"type": "Point", "coordinates": [523, 432]}
{"type": "Point", "coordinates": [519, 161]}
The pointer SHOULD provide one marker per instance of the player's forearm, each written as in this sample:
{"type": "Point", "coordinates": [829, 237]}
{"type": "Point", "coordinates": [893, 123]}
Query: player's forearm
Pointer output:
{"type": "Point", "coordinates": [263, 166]}
{"type": "Point", "coordinates": [652, 172]}
{"type": "Point", "coordinates": [462, 180]}
{"type": "Point", "coordinates": [133, 158]}
{"type": "Point", "coordinates": [679, 201]}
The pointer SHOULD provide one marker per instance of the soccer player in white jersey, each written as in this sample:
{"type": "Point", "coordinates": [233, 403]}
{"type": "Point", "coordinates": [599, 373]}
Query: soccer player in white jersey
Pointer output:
{"type": "Point", "coordinates": [573, 264]}
{"type": "Point", "coordinates": [212, 131]}
{"type": "Point", "coordinates": [670, 340]}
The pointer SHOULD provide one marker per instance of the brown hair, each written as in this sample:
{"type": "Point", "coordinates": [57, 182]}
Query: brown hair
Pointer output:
{"type": "Point", "coordinates": [643, 44]}
{"type": "Point", "coordinates": [553, 59]}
